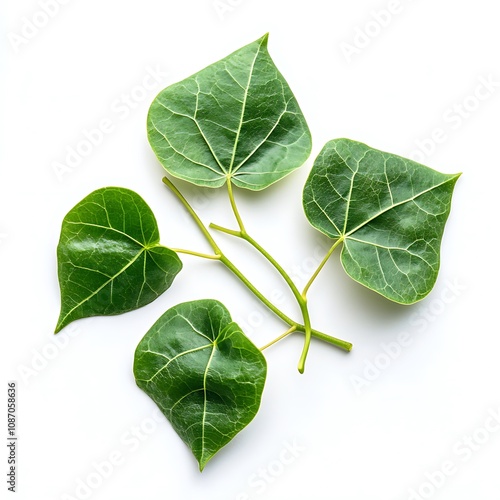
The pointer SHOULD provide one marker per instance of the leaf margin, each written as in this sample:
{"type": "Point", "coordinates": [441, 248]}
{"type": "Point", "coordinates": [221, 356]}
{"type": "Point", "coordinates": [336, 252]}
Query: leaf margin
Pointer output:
{"type": "Point", "coordinates": [153, 245]}
{"type": "Point", "coordinates": [224, 333]}
{"type": "Point", "coordinates": [340, 236]}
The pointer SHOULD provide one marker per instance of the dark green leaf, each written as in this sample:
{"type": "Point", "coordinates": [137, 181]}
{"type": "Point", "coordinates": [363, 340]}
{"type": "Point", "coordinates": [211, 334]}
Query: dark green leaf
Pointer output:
{"type": "Point", "coordinates": [109, 257]}
{"type": "Point", "coordinates": [389, 211]}
{"type": "Point", "coordinates": [235, 119]}
{"type": "Point", "coordinates": [204, 374]}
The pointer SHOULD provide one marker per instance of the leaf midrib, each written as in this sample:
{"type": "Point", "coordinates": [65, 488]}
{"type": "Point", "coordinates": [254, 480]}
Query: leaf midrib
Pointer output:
{"type": "Point", "coordinates": [243, 108]}
{"type": "Point", "coordinates": [357, 228]}
{"type": "Point", "coordinates": [205, 403]}
{"type": "Point", "coordinates": [213, 345]}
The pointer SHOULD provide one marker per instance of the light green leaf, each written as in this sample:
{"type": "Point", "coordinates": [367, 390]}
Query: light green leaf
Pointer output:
{"type": "Point", "coordinates": [109, 257]}
{"type": "Point", "coordinates": [204, 374]}
{"type": "Point", "coordinates": [235, 119]}
{"type": "Point", "coordinates": [389, 211]}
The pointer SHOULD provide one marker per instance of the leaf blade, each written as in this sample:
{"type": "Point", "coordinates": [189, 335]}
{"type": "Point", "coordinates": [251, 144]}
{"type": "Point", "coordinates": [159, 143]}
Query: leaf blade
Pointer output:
{"type": "Point", "coordinates": [109, 251]}
{"type": "Point", "coordinates": [237, 118]}
{"type": "Point", "coordinates": [203, 373]}
{"type": "Point", "coordinates": [389, 211]}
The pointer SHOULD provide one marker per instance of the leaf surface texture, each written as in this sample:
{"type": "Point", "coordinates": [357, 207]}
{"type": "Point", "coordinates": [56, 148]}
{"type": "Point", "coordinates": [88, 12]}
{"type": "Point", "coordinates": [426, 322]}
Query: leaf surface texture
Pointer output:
{"type": "Point", "coordinates": [205, 375]}
{"type": "Point", "coordinates": [109, 257]}
{"type": "Point", "coordinates": [235, 119]}
{"type": "Point", "coordinates": [389, 211]}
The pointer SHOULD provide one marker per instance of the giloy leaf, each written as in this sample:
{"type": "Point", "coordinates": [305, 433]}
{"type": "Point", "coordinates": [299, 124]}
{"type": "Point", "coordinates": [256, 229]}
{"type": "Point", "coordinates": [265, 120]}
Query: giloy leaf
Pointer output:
{"type": "Point", "coordinates": [389, 211]}
{"type": "Point", "coordinates": [205, 375]}
{"type": "Point", "coordinates": [109, 257]}
{"type": "Point", "coordinates": [235, 119]}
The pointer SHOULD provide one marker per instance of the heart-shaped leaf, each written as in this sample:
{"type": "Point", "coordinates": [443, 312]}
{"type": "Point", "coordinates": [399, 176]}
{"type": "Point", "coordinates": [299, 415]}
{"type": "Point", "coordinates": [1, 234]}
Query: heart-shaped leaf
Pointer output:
{"type": "Point", "coordinates": [203, 373]}
{"type": "Point", "coordinates": [389, 211]}
{"type": "Point", "coordinates": [109, 257]}
{"type": "Point", "coordinates": [235, 119]}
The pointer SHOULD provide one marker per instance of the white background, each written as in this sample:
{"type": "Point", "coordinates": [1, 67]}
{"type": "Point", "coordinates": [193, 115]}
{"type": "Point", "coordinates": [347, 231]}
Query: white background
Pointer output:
{"type": "Point", "coordinates": [78, 404]}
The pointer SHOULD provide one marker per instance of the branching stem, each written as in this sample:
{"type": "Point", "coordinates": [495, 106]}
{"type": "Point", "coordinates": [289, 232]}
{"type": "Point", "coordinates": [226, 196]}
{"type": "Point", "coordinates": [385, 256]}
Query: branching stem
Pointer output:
{"type": "Point", "coordinates": [220, 256]}
{"type": "Point", "coordinates": [300, 298]}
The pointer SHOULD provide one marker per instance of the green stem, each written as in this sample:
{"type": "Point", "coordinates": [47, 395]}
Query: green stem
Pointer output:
{"type": "Point", "coordinates": [342, 344]}
{"type": "Point", "coordinates": [193, 214]}
{"type": "Point", "coordinates": [300, 298]}
{"type": "Point", "coordinates": [219, 255]}
{"type": "Point", "coordinates": [308, 335]}
{"type": "Point", "coordinates": [196, 254]}
{"type": "Point", "coordinates": [245, 236]}
{"type": "Point", "coordinates": [322, 264]}
{"type": "Point", "coordinates": [281, 337]}
{"type": "Point", "coordinates": [224, 260]}
{"type": "Point", "coordinates": [276, 265]}
{"type": "Point", "coordinates": [225, 230]}
{"type": "Point", "coordinates": [234, 207]}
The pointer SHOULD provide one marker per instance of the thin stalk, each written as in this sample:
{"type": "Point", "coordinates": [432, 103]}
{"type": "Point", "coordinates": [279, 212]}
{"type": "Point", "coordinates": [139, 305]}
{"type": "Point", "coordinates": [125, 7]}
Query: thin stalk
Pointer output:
{"type": "Point", "coordinates": [234, 207]}
{"type": "Point", "coordinates": [193, 214]}
{"type": "Point", "coordinates": [225, 230]}
{"type": "Point", "coordinates": [196, 254]}
{"type": "Point", "coordinates": [308, 334]}
{"type": "Point", "coordinates": [301, 299]}
{"type": "Point", "coordinates": [342, 344]}
{"type": "Point", "coordinates": [320, 267]}
{"type": "Point", "coordinates": [276, 265]}
{"type": "Point", "coordinates": [281, 337]}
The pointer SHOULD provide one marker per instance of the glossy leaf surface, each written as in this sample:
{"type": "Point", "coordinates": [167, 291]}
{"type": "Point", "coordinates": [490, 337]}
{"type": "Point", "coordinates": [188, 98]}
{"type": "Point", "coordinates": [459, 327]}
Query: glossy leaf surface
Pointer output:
{"type": "Point", "coordinates": [235, 119]}
{"type": "Point", "coordinates": [203, 373]}
{"type": "Point", "coordinates": [109, 257]}
{"type": "Point", "coordinates": [389, 211]}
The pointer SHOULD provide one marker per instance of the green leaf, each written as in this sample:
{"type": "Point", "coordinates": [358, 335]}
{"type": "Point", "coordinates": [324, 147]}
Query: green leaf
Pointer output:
{"type": "Point", "coordinates": [236, 119]}
{"type": "Point", "coordinates": [389, 211]}
{"type": "Point", "coordinates": [109, 257]}
{"type": "Point", "coordinates": [203, 373]}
